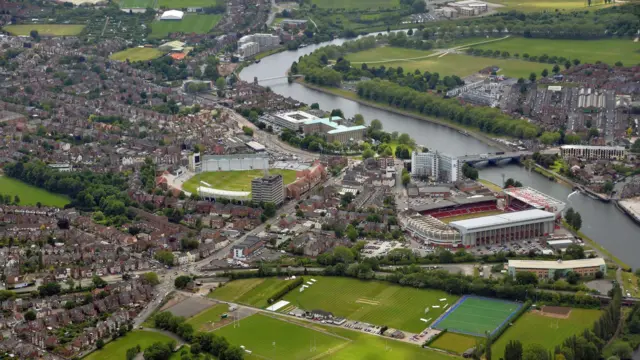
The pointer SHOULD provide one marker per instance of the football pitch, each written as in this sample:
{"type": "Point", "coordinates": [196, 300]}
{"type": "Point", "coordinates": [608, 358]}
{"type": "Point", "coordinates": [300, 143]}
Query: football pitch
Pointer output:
{"type": "Point", "coordinates": [208, 317]}
{"type": "Point", "coordinates": [374, 302]}
{"type": "Point", "coordinates": [254, 292]}
{"type": "Point", "coordinates": [233, 180]}
{"type": "Point", "coordinates": [476, 315]}
{"type": "Point", "coordinates": [45, 29]}
{"type": "Point", "coordinates": [137, 54]}
{"type": "Point", "coordinates": [199, 24]}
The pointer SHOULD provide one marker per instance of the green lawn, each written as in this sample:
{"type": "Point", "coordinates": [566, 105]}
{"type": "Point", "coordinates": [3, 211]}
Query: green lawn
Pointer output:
{"type": "Point", "coordinates": [450, 64]}
{"type": "Point", "coordinates": [456, 343]}
{"type": "Point", "coordinates": [374, 302]}
{"type": "Point", "coordinates": [477, 315]}
{"type": "Point", "coordinates": [532, 328]}
{"type": "Point", "coordinates": [630, 283]}
{"type": "Point", "coordinates": [234, 180]}
{"type": "Point", "coordinates": [254, 292]}
{"type": "Point", "coordinates": [137, 54]}
{"type": "Point", "coordinates": [355, 4]}
{"type": "Point", "coordinates": [210, 315]}
{"type": "Point", "coordinates": [30, 195]}
{"type": "Point", "coordinates": [587, 51]}
{"type": "Point", "coordinates": [521, 5]}
{"type": "Point", "coordinates": [127, 4]}
{"type": "Point", "coordinates": [199, 24]}
{"type": "Point", "coordinates": [45, 29]}
{"type": "Point", "coordinates": [258, 333]}
{"type": "Point", "coordinates": [181, 4]}
{"type": "Point", "coordinates": [118, 349]}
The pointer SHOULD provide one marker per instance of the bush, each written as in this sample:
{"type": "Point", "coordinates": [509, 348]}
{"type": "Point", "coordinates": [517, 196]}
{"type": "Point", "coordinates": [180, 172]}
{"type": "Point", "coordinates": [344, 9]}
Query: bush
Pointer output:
{"type": "Point", "coordinates": [283, 291]}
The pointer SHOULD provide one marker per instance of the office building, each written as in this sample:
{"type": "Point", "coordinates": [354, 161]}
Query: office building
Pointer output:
{"type": "Point", "coordinates": [592, 152]}
{"type": "Point", "coordinates": [269, 188]}
{"type": "Point", "coordinates": [548, 269]}
{"type": "Point", "coordinates": [437, 166]}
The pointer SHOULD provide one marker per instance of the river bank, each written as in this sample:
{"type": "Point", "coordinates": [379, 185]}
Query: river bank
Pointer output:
{"type": "Point", "coordinates": [627, 207]}
{"type": "Point", "coordinates": [354, 97]}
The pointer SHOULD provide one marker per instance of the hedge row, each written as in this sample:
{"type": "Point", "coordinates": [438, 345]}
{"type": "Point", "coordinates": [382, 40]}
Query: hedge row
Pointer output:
{"type": "Point", "coordinates": [430, 341]}
{"type": "Point", "coordinates": [283, 291]}
{"type": "Point", "coordinates": [506, 324]}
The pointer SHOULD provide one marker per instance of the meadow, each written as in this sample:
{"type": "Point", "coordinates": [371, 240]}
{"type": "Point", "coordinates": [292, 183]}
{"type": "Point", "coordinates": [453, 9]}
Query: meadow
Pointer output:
{"type": "Point", "coordinates": [30, 195]}
{"type": "Point", "coordinates": [128, 4]}
{"type": "Point", "coordinates": [181, 4]}
{"type": "Point", "coordinates": [587, 51]}
{"type": "Point", "coordinates": [233, 180]}
{"type": "Point", "coordinates": [477, 316]}
{"type": "Point", "coordinates": [450, 64]}
{"type": "Point", "coordinates": [137, 54]}
{"type": "Point", "coordinates": [456, 343]}
{"type": "Point", "coordinates": [44, 29]}
{"type": "Point", "coordinates": [254, 291]}
{"type": "Point", "coordinates": [355, 4]}
{"type": "Point", "coordinates": [199, 24]}
{"type": "Point", "coordinates": [374, 302]}
{"type": "Point", "coordinates": [118, 349]}
{"type": "Point", "coordinates": [258, 333]}
{"type": "Point", "coordinates": [532, 328]}
{"type": "Point", "coordinates": [528, 6]}
{"type": "Point", "coordinates": [207, 317]}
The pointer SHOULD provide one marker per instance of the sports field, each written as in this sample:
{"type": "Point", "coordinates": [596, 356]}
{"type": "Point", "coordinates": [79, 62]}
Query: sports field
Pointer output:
{"type": "Point", "coordinates": [258, 333]}
{"type": "Point", "coordinates": [457, 343]}
{"type": "Point", "coordinates": [355, 4]}
{"type": "Point", "coordinates": [118, 349]}
{"type": "Point", "coordinates": [375, 302]}
{"type": "Point", "coordinates": [233, 180]}
{"type": "Point", "coordinates": [532, 328]}
{"type": "Point", "coordinates": [447, 220]}
{"type": "Point", "coordinates": [137, 54]}
{"type": "Point", "coordinates": [208, 317]}
{"type": "Point", "coordinates": [475, 315]}
{"type": "Point", "coordinates": [587, 51]}
{"type": "Point", "coordinates": [127, 4]}
{"type": "Point", "coordinates": [181, 4]}
{"type": "Point", "coordinates": [44, 29]}
{"type": "Point", "coordinates": [451, 64]}
{"type": "Point", "coordinates": [30, 195]}
{"type": "Point", "coordinates": [199, 24]}
{"type": "Point", "coordinates": [254, 291]}
{"type": "Point", "coordinates": [528, 5]}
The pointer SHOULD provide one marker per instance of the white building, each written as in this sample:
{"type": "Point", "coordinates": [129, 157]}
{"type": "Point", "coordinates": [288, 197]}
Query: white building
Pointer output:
{"type": "Point", "coordinates": [293, 120]}
{"type": "Point", "coordinates": [503, 228]}
{"type": "Point", "coordinates": [593, 152]}
{"type": "Point", "coordinates": [172, 15]}
{"type": "Point", "coordinates": [436, 165]}
{"type": "Point", "coordinates": [250, 45]}
{"type": "Point", "coordinates": [248, 49]}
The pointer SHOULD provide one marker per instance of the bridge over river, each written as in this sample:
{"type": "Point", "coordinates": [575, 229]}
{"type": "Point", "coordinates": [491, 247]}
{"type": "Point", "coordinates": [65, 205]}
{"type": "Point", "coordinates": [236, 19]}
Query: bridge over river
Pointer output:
{"type": "Point", "coordinates": [493, 158]}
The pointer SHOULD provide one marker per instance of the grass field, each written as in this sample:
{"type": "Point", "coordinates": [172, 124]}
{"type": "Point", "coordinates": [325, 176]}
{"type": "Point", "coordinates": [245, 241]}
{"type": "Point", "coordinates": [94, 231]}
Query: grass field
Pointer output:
{"type": "Point", "coordinates": [587, 51]}
{"type": "Point", "coordinates": [118, 349]}
{"type": "Point", "coordinates": [531, 328]}
{"type": "Point", "coordinates": [181, 4]}
{"type": "Point", "coordinates": [211, 315]}
{"type": "Point", "coordinates": [45, 29]}
{"type": "Point", "coordinates": [254, 292]}
{"type": "Point", "coordinates": [234, 180]}
{"type": "Point", "coordinates": [199, 24]}
{"type": "Point", "coordinates": [456, 343]}
{"type": "Point", "coordinates": [355, 4]}
{"type": "Point", "coordinates": [30, 195]}
{"type": "Point", "coordinates": [137, 54]}
{"type": "Point", "coordinates": [374, 302]}
{"type": "Point", "coordinates": [451, 64]}
{"type": "Point", "coordinates": [470, 216]}
{"type": "Point", "coordinates": [476, 315]}
{"type": "Point", "coordinates": [126, 4]}
{"type": "Point", "coordinates": [547, 5]}
{"type": "Point", "coordinates": [630, 283]}
{"type": "Point", "coordinates": [259, 332]}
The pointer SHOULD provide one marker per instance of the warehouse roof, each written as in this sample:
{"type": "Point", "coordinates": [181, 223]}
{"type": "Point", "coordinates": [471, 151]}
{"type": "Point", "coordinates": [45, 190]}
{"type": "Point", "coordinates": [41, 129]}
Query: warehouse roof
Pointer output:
{"type": "Point", "coordinates": [513, 218]}
{"type": "Point", "coordinates": [557, 265]}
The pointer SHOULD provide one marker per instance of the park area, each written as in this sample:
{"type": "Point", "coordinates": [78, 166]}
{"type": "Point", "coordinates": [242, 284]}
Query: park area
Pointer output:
{"type": "Point", "coordinates": [233, 180]}
{"type": "Point", "coordinates": [30, 195]}
{"type": "Point", "coordinates": [533, 328]}
{"type": "Point", "coordinates": [191, 23]}
{"type": "Point", "coordinates": [44, 29]}
{"type": "Point", "coordinates": [133, 4]}
{"type": "Point", "coordinates": [476, 316]}
{"type": "Point", "coordinates": [356, 4]}
{"type": "Point", "coordinates": [450, 64]}
{"type": "Point", "coordinates": [253, 292]}
{"type": "Point", "coordinates": [528, 6]}
{"type": "Point", "coordinates": [457, 343]}
{"type": "Point", "coordinates": [118, 349]}
{"type": "Point", "coordinates": [587, 51]}
{"type": "Point", "coordinates": [375, 302]}
{"type": "Point", "coordinates": [207, 319]}
{"type": "Point", "coordinates": [137, 54]}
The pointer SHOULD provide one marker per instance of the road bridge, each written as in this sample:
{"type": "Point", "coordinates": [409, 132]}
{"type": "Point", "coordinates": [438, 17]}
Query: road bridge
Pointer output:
{"type": "Point", "coordinates": [493, 158]}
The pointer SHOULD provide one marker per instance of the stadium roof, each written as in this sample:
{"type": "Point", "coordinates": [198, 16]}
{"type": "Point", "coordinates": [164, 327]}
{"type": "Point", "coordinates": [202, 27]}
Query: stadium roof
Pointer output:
{"type": "Point", "coordinates": [172, 15]}
{"type": "Point", "coordinates": [514, 218]}
{"type": "Point", "coordinates": [556, 265]}
{"type": "Point", "coordinates": [207, 191]}
{"type": "Point", "coordinates": [451, 202]}
{"type": "Point", "coordinates": [535, 198]}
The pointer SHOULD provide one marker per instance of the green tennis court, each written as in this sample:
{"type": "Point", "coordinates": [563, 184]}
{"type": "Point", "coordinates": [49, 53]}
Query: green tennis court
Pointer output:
{"type": "Point", "coordinates": [476, 315]}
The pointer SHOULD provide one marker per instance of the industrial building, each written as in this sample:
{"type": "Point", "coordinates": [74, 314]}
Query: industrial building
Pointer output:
{"type": "Point", "coordinates": [269, 188]}
{"type": "Point", "coordinates": [437, 166]}
{"type": "Point", "coordinates": [593, 152]}
{"type": "Point", "coordinates": [172, 15]}
{"type": "Point", "coordinates": [548, 269]}
{"type": "Point", "coordinates": [503, 228]}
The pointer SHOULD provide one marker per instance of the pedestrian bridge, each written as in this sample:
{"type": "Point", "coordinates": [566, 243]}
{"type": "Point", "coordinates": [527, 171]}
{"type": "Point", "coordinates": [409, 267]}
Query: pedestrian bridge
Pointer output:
{"type": "Point", "coordinates": [493, 158]}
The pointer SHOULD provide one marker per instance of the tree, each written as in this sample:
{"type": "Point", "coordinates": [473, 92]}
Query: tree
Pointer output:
{"type": "Point", "coordinates": [487, 347]}
{"type": "Point", "coordinates": [150, 278]}
{"type": "Point", "coordinates": [545, 73]}
{"type": "Point", "coordinates": [221, 84]}
{"type": "Point", "coordinates": [575, 251]}
{"type": "Point", "coordinates": [369, 153]}
{"type": "Point", "coordinates": [16, 199]}
{"type": "Point", "coordinates": [269, 209]}
{"type": "Point", "coordinates": [49, 289]}
{"type": "Point", "coordinates": [526, 278]}
{"type": "Point", "coordinates": [100, 344]}
{"type": "Point", "coordinates": [30, 315]}
{"type": "Point", "coordinates": [573, 277]}
{"type": "Point", "coordinates": [352, 233]}
{"type": "Point", "coordinates": [532, 77]}
{"type": "Point", "coordinates": [165, 257]}
{"type": "Point", "coordinates": [535, 352]}
{"type": "Point", "coordinates": [577, 221]}
{"type": "Point", "coordinates": [232, 353]}
{"type": "Point", "coordinates": [568, 215]}
{"type": "Point", "coordinates": [375, 124]}
{"type": "Point", "coordinates": [358, 119]}
{"type": "Point", "coordinates": [513, 350]}
{"type": "Point", "coordinates": [158, 351]}
{"type": "Point", "coordinates": [34, 35]}
{"type": "Point", "coordinates": [622, 350]}
{"type": "Point", "coordinates": [98, 281]}
{"type": "Point", "coordinates": [406, 179]}
{"type": "Point", "coordinates": [181, 281]}
{"type": "Point", "coordinates": [607, 187]}
{"type": "Point", "coordinates": [247, 130]}
{"type": "Point", "coordinates": [556, 69]}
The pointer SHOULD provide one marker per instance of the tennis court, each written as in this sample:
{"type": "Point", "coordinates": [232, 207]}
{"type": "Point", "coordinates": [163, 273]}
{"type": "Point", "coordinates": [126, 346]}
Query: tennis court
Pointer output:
{"type": "Point", "coordinates": [476, 315]}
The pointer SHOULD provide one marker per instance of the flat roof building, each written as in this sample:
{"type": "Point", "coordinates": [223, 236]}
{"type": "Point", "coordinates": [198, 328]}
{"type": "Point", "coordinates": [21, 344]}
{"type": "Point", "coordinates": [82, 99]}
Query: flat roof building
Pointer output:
{"type": "Point", "coordinates": [334, 129]}
{"type": "Point", "coordinates": [293, 120]}
{"type": "Point", "coordinates": [548, 269]}
{"type": "Point", "coordinates": [269, 188]}
{"type": "Point", "coordinates": [437, 166]}
{"type": "Point", "coordinates": [593, 152]}
{"type": "Point", "coordinates": [503, 228]}
{"type": "Point", "coordinates": [534, 199]}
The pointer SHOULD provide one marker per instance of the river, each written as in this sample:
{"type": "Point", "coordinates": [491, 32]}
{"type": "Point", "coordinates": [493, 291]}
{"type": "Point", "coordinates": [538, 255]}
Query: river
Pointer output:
{"type": "Point", "coordinates": [600, 221]}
